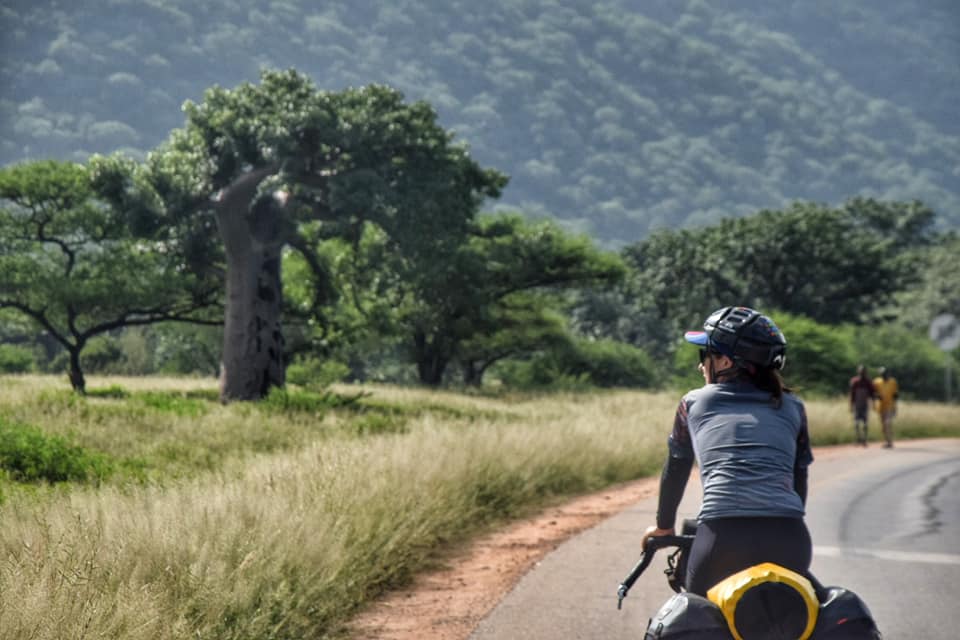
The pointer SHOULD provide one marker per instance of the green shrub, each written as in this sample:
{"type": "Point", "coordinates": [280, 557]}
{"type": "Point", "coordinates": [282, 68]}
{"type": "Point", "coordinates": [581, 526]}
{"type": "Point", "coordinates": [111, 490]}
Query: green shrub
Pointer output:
{"type": "Point", "coordinates": [28, 454]}
{"type": "Point", "coordinates": [174, 402]}
{"type": "Point", "coordinates": [102, 355]}
{"type": "Point", "coordinates": [315, 373]}
{"type": "Point", "coordinates": [583, 364]}
{"type": "Point", "coordinates": [16, 359]}
{"type": "Point", "coordinates": [820, 358]}
{"type": "Point", "coordinates": [114, 391]}
{"type": "Point", "coordinates": [299, 401]}
{"type": "Point", "coordinates": [539, 374]}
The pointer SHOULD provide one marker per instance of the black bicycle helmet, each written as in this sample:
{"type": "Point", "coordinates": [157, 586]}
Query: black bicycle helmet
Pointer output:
{"type": "Point", "coordinates": [744, 335]}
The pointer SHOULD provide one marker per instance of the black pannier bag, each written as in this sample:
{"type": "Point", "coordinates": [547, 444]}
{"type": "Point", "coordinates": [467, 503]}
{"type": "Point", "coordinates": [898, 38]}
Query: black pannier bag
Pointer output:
{"type": "Point", "coordinates": [687, 616]}
{"type": "Point", "coordinates": [844, 616]}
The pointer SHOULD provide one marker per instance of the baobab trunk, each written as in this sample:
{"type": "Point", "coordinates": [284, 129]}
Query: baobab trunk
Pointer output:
{"type": "Point", "coordinates": [253, 343]}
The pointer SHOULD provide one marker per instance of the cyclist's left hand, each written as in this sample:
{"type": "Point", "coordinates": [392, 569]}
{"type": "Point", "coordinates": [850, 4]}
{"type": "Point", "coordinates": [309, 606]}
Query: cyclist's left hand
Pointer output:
{"type": "Point", "coordinates": [653, 532]}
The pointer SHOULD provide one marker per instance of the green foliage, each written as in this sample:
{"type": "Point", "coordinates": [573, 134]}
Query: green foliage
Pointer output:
{"type": "Point", "coordinates": [820, 359]}
{"type": "Point", "coordinates": [175, 403]}
{"type": "Point", "coordinates": [610, 364]}
{"type": "Point", "coordinates": [16, 359]}
{"type": "Point", "coordinates": [314, 373]}
{"type": "Point", "coordinates": [102, 355]}
{"type": "Point", "coordinates": [27, 454]}
{"type": "Point", "coordinates": [189, 404]}
{"type": "Point", "coordinates": [187, 348]}
{"type": "Point", "coordinates": [939, 288]}
{"type": "Point", "coordinates": [114, 391]}
{"type": "Point", "coordinates": [583, 364]}
{"type": "Point", "coordinates": [302, 401]}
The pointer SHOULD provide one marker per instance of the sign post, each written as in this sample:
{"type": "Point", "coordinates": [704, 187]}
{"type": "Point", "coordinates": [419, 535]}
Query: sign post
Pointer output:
{"type": "Point", "coordinates": [945, 332]}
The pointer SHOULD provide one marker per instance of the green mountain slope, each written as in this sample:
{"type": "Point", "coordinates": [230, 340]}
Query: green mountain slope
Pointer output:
{"type": "Point", "coordinates": [617, 116]}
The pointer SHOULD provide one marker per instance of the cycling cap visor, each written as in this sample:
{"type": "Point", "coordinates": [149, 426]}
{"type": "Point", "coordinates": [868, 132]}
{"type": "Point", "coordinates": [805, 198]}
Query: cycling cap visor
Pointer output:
{"type": "Point", "coordinates": [697, 337]}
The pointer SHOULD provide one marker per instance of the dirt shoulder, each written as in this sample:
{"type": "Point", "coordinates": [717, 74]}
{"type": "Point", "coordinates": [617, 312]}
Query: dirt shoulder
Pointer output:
{"type": "Point", "coordinates": [448, 603]}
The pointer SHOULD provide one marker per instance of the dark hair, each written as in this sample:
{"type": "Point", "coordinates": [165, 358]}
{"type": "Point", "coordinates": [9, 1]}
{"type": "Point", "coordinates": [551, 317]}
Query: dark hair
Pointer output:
{"type": "Point", "coordinates": [770, 379]}
{"type": "Point", "coordinates": [766, 379]}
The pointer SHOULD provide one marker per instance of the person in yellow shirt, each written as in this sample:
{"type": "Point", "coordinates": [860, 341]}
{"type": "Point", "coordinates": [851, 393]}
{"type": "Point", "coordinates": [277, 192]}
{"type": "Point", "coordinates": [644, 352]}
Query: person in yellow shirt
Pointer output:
{"type": "Point", "coordinates": [886, 404]}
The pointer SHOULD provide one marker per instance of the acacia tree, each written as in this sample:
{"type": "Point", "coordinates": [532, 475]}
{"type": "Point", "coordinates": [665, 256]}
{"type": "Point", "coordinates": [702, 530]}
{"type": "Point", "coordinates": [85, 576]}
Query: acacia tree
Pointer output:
{"type": "Point", "coordinates": [517, 325]}
{"type": "Point", "coordinates": [79, 267]}
{"type": "Point", "coordinates": [480, 304]}
{"type": "Point", "coordinates": [264, 160]}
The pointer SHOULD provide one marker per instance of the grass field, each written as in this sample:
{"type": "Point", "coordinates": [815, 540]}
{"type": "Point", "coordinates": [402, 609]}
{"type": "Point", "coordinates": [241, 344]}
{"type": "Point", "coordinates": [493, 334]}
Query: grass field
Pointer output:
{"type": "Point", "coordinates": [173, 516]}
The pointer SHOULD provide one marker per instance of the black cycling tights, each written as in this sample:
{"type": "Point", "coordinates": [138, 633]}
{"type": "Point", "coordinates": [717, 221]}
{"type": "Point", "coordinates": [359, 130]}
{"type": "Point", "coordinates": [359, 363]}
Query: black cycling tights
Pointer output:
{"type": "Point", "coordinates": [725, 546]}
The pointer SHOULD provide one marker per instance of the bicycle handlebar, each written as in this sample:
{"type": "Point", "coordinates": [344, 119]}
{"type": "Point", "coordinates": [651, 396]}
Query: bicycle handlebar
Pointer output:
{"type": "Point", "coordinates": [650, 548]}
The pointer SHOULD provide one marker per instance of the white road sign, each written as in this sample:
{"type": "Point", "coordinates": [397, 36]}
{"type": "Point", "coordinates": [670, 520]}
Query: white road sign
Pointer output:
{"type": "Point", "coordinates": [945, 331]}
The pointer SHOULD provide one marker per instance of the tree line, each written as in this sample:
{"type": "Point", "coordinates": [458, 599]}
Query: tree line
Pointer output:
{"type": "Point", "coordinates": [341, 234]}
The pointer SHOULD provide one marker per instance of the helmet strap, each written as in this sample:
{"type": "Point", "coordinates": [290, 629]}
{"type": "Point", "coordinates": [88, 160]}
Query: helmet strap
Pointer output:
{"type": "Point", "coordinates": [715, 374]}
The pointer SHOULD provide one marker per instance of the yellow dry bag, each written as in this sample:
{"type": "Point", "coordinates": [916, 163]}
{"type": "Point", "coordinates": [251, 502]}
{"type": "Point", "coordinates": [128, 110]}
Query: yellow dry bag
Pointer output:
{"type": "Point", "coordinates": [765, 597]}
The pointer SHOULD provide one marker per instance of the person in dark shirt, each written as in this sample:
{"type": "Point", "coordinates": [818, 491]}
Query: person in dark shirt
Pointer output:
{"type": "Point", "coordinates": [862, 392]}
{"type": "Point", "coordinates": [748, 434]}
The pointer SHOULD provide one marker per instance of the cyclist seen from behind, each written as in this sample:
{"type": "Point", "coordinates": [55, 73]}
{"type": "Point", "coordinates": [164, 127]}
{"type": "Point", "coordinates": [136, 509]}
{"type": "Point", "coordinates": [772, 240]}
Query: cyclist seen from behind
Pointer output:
{"type": "Point", "coordinates": [748, 434]}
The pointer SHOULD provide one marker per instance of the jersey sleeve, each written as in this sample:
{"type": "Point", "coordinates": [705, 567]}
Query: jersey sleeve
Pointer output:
{"type": "Point", "coordinates": [680, 444]}
{"type": "Point", "coordinates": [676, 470]}
{"type": "Point", "coordinates": [804, 458]}
{"type": "Point", "coordinates": [804, 452]}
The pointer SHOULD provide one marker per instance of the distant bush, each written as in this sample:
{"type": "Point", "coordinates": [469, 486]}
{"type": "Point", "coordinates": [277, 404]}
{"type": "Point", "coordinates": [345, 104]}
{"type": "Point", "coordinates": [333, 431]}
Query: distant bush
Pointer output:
{"type": "Point", "coordinates": [102, 355]}
{"type": "Point", "coordinates": [296, 401]}
{"type": "Point", "coordinates": [583, 364]}
{"type": "Point", "coordinates": [316, 372]}
{"type": "Point", "coordinates": [114, 391]}
{"type": "Point", "coordinates": [174, 402]}
{"type": "Point", "coordinates": [820, 358]}
{"type": "Point", "coordinates": [16, 359]}
{"type": "Point", "coordinates": [28, 454]}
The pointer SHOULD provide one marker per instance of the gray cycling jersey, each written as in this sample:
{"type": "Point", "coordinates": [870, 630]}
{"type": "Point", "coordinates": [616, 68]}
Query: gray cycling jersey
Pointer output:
{"type": "Point", "coordinates": [747, 449]}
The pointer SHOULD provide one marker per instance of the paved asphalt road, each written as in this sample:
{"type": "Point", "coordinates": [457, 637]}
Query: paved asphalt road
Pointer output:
{"type": "Point", "coordinates": [885, 523]}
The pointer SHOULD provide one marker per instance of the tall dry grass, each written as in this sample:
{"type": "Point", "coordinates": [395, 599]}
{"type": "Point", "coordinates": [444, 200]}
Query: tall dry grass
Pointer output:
{"type": "Point", "coordinates": [286, 545]}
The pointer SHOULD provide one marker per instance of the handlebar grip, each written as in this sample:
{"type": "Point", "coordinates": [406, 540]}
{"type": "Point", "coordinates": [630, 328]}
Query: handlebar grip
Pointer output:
{"type": "Point", "coordinates": [659, 542]}
{"type": "Point", "coordinates": [649, 549]}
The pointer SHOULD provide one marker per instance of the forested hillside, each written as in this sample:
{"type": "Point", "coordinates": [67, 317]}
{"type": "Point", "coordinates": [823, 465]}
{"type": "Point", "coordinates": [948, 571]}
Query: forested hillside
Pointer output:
{"type": "Point", "coordinates": [616, 116]}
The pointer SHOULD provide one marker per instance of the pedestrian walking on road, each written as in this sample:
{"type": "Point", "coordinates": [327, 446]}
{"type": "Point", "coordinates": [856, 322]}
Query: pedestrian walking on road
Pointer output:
{"type": "Point", "coordinates": [886, 403]}
{"type": "Point", "coordinates": [861, 393]}
{"type": "Point", "coordinates": [748, 435]}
